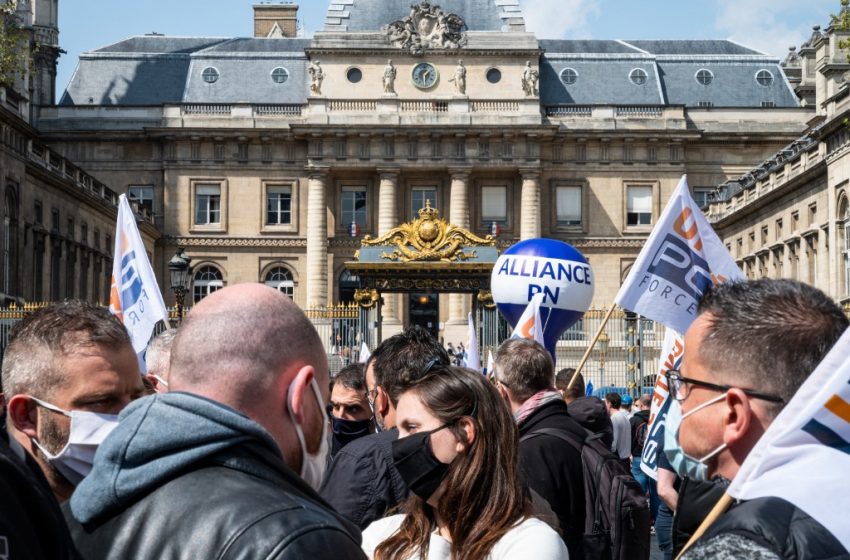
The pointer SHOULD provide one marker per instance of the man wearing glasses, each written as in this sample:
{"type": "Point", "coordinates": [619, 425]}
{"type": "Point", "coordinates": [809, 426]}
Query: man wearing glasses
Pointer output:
{"type": "Point", "coordinates": [752, 345]}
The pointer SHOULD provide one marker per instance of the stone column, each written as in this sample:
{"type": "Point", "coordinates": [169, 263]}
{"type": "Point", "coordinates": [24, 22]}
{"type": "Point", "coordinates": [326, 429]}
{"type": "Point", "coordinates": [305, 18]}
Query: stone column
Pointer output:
{"type": "Point", "coordinates": [529, 221]}
{"type": "Point", "coordinates": [388, 219]}
{"type": "Point", "coordinates": [317, 239]}
{"type": "Point", "coordinates": [459, 216]}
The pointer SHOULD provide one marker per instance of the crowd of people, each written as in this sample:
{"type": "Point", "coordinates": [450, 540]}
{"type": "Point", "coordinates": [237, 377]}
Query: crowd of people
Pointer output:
{"type": "Point", "coordinates": [237, 444]}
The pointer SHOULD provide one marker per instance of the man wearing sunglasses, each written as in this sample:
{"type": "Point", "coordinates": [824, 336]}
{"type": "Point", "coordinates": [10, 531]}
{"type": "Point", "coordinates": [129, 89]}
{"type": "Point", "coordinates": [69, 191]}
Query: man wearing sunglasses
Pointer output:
{"type": "Point", "coordinates": [752, 345]}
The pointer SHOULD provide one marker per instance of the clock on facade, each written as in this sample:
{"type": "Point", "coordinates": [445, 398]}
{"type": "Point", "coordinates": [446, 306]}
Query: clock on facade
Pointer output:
{"type": "Point", "coordinates": [424, 75]}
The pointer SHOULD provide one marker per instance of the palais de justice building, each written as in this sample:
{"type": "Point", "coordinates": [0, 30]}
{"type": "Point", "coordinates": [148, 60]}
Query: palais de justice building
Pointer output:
{"type": "Point", "coordinates": [269, 157]}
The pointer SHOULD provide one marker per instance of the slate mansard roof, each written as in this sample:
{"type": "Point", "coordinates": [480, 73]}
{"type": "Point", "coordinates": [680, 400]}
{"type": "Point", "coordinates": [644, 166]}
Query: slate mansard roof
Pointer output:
{"type": "Point", "coordinates": [155, 70]}
{"type": "Point", "coordinates": [600, 74]}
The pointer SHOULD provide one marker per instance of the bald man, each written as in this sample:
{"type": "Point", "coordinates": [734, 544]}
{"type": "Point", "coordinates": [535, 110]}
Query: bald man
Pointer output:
{"type": "Point", "coordinates": [227, 461]}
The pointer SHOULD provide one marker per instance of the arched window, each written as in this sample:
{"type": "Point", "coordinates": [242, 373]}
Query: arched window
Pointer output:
{"type": "Point", "coordinates": [280, 278]}
{"type": "Point", "coordinates": [10, 243]}
{"type": "Point", "coordinates": [845, 230]}
{"type": "Point", "coordinates": [207, 280]}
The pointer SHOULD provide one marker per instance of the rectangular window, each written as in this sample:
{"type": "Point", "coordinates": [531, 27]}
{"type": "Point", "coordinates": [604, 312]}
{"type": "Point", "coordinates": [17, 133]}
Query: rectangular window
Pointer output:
{"type": "Point", "coordinates": [144, 196]}
{"type": "Point", "coordinates": [701, 196]}
{"type": "Point", "coordinates": [418, 196]}
{"type": "Point", "coordinates": [638, 205]}
{"type": "Point", "coordinates": [778, 230]}
{"type": "Point", "coordinates": [207, 205]}
{"type": "Point", "coordinates": [568, 206]}
{"type": "Point", "coordinates": [278, 206]}
{"type": "Point", "coordinates": [353, 206]}
{"type": "Point", "coordinates": [494, 205]}
{"type": "Point", "coordinates": [39, 212]}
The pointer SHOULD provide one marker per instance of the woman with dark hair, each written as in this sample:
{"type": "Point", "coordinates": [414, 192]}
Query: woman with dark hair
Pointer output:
{"type": "Point", "coordinates": [458, 453]}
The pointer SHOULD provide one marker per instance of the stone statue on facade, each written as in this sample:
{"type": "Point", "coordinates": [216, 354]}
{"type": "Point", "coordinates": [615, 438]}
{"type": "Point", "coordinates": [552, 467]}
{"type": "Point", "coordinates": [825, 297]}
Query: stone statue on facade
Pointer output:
{"type": "Point", "coordinates": [427, 27]}
{"type": "Point", "coordinates": [460, 78]}
{"type": "Point", "coordinates": [317, 75]}
{"type": "Point", "coordinates": [389, 78]}
{"type": "Point", "coordinates": [530, 77]}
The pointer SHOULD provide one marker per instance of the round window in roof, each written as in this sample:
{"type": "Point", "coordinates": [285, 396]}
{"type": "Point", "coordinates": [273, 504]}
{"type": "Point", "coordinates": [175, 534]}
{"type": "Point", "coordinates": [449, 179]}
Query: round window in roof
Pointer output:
{"type": "Point", "coordinates": [494, 75]}
{"type": "Point", "coordinates": [354, 75]}
{"type": "Point", "coordinates": [764, 78]}
{"type": "Point", "coordinates": [210, 75]}
{"type": "Point", "coordinates": [280, 75]}
{"type": "Point", "coordinates": [569, 76]}
{"type": "Point", "coordinates": [638, 76]}
{"type": "Point", "coordinates": [704, 77]}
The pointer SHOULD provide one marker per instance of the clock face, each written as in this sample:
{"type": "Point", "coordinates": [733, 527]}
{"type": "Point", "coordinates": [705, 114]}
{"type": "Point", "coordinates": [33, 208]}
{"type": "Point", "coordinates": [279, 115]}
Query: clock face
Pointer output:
{"type": "Point", "coordinates": [424, 75]}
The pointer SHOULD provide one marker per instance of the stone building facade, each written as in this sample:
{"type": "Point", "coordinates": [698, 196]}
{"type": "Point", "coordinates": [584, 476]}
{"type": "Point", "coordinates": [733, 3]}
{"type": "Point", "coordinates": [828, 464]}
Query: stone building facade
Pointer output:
{"type": "Point", "coordinates": [262, 156]}
{"type": "Point", "coordinates": [789, 217]}
{"type": "Point", "coordinates": [58, 221]}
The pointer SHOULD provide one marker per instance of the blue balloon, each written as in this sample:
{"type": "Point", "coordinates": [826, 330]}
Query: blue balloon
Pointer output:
{"type": "Point", "coordinates": [549, 267]}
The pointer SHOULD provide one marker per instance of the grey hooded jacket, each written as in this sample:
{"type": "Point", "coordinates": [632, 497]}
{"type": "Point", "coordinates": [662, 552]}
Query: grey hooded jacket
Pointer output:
{"type": "Point", "coordinates": [184, 477]}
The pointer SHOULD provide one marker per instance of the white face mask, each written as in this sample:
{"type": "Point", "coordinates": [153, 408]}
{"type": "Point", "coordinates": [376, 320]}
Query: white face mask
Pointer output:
{"type": "Point", "coordinates": [88, 430]}
{"type": "Point", "coordinates": [312, 466]}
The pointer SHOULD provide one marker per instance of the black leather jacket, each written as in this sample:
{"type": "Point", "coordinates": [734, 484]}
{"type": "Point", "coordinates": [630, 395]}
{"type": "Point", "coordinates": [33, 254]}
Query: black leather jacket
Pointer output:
{"type": "Point", "coordinates": [775, 525]}
{"type": "Point", "coordinates": [242, 503]}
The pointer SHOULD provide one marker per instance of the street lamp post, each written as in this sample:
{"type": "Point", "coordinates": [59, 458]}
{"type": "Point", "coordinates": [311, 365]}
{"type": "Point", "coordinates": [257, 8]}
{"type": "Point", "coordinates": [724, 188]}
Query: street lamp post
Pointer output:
{"type": "Point", "coordinates": [180, 269]}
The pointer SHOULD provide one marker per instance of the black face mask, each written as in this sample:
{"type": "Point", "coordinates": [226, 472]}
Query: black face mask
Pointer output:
{"type": "Point", "coordinates": [346, 431]}
{"type": "Point", "coordinates": [418, 466]}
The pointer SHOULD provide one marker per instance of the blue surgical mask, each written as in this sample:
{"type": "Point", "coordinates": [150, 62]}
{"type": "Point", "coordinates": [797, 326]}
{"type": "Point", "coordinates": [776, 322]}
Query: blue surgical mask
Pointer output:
{"type": "Point", "coordinates": [682, 463]}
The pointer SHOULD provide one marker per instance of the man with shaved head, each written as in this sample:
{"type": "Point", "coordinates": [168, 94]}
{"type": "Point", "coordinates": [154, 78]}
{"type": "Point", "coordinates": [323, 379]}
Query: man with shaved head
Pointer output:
{"type": "Point", "coordinates": [225, 464]}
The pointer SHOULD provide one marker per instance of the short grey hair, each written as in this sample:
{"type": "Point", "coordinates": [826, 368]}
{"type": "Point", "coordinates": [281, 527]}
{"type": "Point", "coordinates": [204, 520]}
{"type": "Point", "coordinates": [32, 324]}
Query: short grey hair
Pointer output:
{"type": "Point", "coordinates": [158, 354]}
{"type": "Point", "coordinates": [524, 367]}
{"type": "Point", "coordinates": [786, 329]}
{"type": "Point", "coordinates": [43, 338]}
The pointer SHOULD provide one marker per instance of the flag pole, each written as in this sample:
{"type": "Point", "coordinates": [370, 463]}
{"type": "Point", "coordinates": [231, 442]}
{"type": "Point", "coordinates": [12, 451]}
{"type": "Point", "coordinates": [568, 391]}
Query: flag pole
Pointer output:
{"type": "Point", "coordinates": [592, 344]}
{"type": "Point", "coordinates": [719, 509]}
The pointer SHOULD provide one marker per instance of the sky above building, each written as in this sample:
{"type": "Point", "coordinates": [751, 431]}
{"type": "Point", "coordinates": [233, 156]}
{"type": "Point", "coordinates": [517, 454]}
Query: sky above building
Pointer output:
{"type": "Point", "coordinates": [770, 26]}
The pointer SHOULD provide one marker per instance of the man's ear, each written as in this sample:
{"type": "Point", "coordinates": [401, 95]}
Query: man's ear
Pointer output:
{"type": "Point", "coordinates": [506, 395]}
{"type": "Point", "coordinates": [738, 417]}
{"type": "Point", "coordinates": [23, 414]}
{"type": "Point", "coordinates": [298, 388]}
{"type": "Point", "coordinates": [382, 401]}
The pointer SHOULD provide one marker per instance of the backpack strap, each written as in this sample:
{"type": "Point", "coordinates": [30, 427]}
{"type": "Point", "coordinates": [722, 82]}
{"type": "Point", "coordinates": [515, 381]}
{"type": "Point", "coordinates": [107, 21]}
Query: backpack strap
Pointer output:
{"type": "Point", "coordinates": [560, 434]}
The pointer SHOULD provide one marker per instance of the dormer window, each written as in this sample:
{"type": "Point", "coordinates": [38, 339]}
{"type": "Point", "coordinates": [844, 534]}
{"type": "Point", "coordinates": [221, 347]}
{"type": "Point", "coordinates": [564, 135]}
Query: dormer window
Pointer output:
{"type": "Point", "coordinates": [210, 75]}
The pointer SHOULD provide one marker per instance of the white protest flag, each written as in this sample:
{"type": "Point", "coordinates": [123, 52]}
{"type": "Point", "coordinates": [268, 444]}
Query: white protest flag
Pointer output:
{"type": "Point", "coordinates": [491, 362]}
{"type": "Point", "coordinates": [682, 257]}
{"type": "Point", "coordinates": [671, 354]}
{"type": "Point", "coordinates": [364, 353]}
{"type": "Point", "coordinates": [804, 456]}
{"type": "Point", "coordinates": [473, 358]}
{"type": "Point", "coordinates": [134, 297]}
{"type": "Point", "coordinates": [529, 325]}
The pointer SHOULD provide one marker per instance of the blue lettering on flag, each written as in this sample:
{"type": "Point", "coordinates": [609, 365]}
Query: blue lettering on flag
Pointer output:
{"type": "Point", "coordinates": [826, 436]}
{"type": "Point", "coordinates": [131, 284]}
{"type": "Point", "coordinates": [676, 263]}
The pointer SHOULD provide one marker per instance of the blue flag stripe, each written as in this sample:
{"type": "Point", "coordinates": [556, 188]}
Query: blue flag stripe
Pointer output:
{"type": "Point", "coordinates": [827, 436]}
